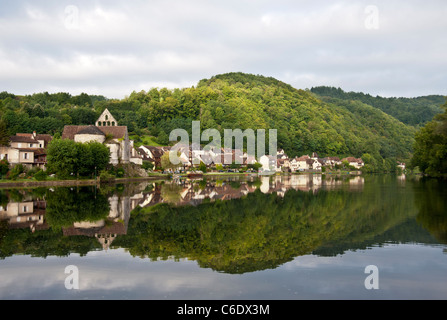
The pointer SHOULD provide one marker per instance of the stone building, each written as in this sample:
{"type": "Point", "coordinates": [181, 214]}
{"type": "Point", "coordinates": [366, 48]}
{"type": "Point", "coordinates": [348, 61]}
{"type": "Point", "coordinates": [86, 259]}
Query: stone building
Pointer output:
{"type": "Point", "coordinates": [106, 131]}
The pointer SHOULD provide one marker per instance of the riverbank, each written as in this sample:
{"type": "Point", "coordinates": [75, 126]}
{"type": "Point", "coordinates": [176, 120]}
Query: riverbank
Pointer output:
{"type": "Point", "coordinates": [91, 182]}
{"type": "Point", "coordinates": [73, 182]}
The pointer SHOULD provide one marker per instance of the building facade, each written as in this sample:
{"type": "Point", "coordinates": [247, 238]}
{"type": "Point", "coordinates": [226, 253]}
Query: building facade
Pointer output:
{"type": "Point", "coordinates": [106, 131]}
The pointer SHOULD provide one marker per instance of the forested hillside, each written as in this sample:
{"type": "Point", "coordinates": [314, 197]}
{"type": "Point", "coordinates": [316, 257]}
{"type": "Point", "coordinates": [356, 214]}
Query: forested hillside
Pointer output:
{"type": "Point", "coordinates": [412, 111]}
{"type": "Point", "coordinates": [305, 122]}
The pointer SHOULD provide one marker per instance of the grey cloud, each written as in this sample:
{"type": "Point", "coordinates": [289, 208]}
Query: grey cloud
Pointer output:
{"type": "Point", "coordinates": [116, 47]}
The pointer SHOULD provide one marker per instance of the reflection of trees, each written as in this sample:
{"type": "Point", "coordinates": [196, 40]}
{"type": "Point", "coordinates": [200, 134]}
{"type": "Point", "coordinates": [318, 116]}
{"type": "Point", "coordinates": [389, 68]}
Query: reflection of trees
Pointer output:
{"type": "Point", "coordinates": [66, 206]}
{"type": "Point", "coordinates": [431, 200]}
{"type": "Point", "coordinates": [170, 192]}
{"type": "Point", "coordinates": [262, 231]}
{"type": "Point", "coordinates": [251, 232]}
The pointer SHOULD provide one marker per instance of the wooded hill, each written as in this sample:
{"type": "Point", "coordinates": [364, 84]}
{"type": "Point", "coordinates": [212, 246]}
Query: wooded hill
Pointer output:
{"type": "Point", "coordinates": [412, 111]}
{"type": "Point", "coordinates": [307, 120]}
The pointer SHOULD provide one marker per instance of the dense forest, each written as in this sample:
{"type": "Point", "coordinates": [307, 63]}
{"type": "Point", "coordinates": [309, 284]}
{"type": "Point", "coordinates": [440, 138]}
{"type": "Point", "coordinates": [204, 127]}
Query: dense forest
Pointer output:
{"type": "Point", "coordinates": [412, 111]}
{"type": "Point", "coordinates": [430, 149]}
{"type": "Point", "coordinates": [306, 121]}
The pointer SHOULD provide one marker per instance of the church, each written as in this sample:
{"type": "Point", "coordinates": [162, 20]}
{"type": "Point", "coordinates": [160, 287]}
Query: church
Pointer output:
{"type": "Point", "coordinates": [106, 131]}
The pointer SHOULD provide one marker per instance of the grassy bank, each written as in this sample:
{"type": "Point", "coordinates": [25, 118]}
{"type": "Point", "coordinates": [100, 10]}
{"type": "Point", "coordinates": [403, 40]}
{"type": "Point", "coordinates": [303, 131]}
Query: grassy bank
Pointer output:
{"type": "Point", "coordinates": [54, 182]}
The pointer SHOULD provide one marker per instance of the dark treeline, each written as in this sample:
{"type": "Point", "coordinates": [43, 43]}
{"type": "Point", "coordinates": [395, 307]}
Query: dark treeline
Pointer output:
{"type": "Point", "coordinates": [412, 111]}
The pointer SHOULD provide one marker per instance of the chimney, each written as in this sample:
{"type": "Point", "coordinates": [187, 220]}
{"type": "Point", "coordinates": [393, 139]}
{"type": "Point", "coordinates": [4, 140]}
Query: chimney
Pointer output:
{"type": "Point", "coordinates": [34, 134]}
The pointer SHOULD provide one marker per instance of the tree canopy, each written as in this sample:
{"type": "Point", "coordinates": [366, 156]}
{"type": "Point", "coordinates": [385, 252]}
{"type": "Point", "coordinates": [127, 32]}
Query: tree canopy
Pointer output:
{"type": "Point", "coordinates": [69, 158]}
{"type": "Point", "coordinates": [430, 149]}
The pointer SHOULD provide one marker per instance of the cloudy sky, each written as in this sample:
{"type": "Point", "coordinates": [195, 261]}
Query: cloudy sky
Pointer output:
{"type": "Point", "coordinates": [110, 47]}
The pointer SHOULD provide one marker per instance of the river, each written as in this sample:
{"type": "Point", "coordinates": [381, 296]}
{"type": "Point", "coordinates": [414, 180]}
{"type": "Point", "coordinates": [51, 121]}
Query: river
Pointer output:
{"type": "Point", "coordinates": [247, 237]}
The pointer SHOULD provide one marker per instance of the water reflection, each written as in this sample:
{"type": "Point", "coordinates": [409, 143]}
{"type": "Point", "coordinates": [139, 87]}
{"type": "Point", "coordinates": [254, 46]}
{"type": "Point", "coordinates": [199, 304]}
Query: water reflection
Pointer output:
{"type": "Point", "coordinates": [195, 191]}
{"type": "Point", "coordinates": [232, 225]}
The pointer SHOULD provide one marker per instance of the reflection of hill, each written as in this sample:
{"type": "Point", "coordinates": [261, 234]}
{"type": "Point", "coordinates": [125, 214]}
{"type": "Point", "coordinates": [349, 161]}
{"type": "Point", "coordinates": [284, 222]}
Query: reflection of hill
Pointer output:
{"type": "Point", "coordinates": [236, 226]}
{"type": "Point", "coordinates": [408, 231]}
{"type": "Point", "coordinates": [431, 200]}
{"type": "Point", "coordinates": [261, 231]}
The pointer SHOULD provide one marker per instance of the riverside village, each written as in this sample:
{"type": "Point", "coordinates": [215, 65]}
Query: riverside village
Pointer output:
{"type": "Point", "coordinates": [29, 150]}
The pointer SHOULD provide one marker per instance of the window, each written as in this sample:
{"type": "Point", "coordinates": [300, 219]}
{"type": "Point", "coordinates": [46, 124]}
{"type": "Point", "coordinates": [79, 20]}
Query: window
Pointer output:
{"type": "Point", "coordinates": [113, 123]}
{"type": "Point", "coordinates": [108, 123]}
{"type": "Point", "coordinates": [103, 123]}
{"type": "Point", "coordinates": [99, 123]}
{"type": "Point", "coordinates": [107, 117]}
{"type": "Point", "coordinates": [25, 155]}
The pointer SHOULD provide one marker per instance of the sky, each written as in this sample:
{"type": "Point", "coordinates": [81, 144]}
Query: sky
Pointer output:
{"type": "Point", "coordinates": [112, 48]}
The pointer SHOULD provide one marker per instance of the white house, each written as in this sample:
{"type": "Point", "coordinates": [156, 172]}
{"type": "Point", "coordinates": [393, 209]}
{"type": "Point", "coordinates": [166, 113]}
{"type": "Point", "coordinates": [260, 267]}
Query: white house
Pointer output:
{"type": "Point", "coordinates": [28, 149]}
{"type": "Point", "coordinates": [354, 162]}
{"type": "Point", "coordinates": [268, 163]}
{"type": "Point", "coordinates": [116, 138]}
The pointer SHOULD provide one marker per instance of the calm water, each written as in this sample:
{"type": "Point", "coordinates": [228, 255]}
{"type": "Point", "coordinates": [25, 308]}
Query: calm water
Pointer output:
{"type": "Point", "coordinates": [282, 237]}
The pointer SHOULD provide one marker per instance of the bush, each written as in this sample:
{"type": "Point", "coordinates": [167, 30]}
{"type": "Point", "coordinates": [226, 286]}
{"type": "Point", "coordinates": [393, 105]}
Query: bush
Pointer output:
{"type": "Point", "coordinates": [40, 175]}
{"type": "Point", "coordinates": [147, 165]}
{"type": "Point", "coordinates": [4, 167]}
{"type": "Point", "coordinates": [120, 172]}
{"type": "Point", "coordinates": [106, 176]}
{"type": "Point", "coordinates": [14, 173]}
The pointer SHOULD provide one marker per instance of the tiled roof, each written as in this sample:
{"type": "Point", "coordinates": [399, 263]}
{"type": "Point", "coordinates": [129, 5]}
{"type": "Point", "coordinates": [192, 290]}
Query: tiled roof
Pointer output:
{"type": "Point", "coordinates": [22, 139]}
{"type": "Point", "coordinates": [91, 130]}
{"type": "Point", "coordinates": [116, 132]}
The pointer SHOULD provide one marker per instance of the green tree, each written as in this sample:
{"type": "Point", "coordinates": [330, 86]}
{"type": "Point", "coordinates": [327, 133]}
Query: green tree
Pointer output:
{"type": "Point", "coordinates": [4, 134]}
{"type": "Point", "coordinates": [430, 149]}
{"type": "Point", "coordinates": [100, 156]}
{"type": "Point", "coordinates": [66, 157]}
{"type": "Point", "coordinates": [166, 162]}
{"type": "Point", "coordinates": [4, 167]}
{"type": "Point", "coordinates": [202, 166]}
{"type": "Point", "coordinates": [62, 157]}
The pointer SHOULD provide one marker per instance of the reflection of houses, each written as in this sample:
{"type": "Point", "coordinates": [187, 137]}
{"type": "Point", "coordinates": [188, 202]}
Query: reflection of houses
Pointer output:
{"type": "Point", "coordinates": [192, 193]}
{"type": "Point", "coordinates": [106, 230]}
{"type": "Point", "coordinates": [30, 213]}
{"type": "Point", "coordinates": [25, 214]}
